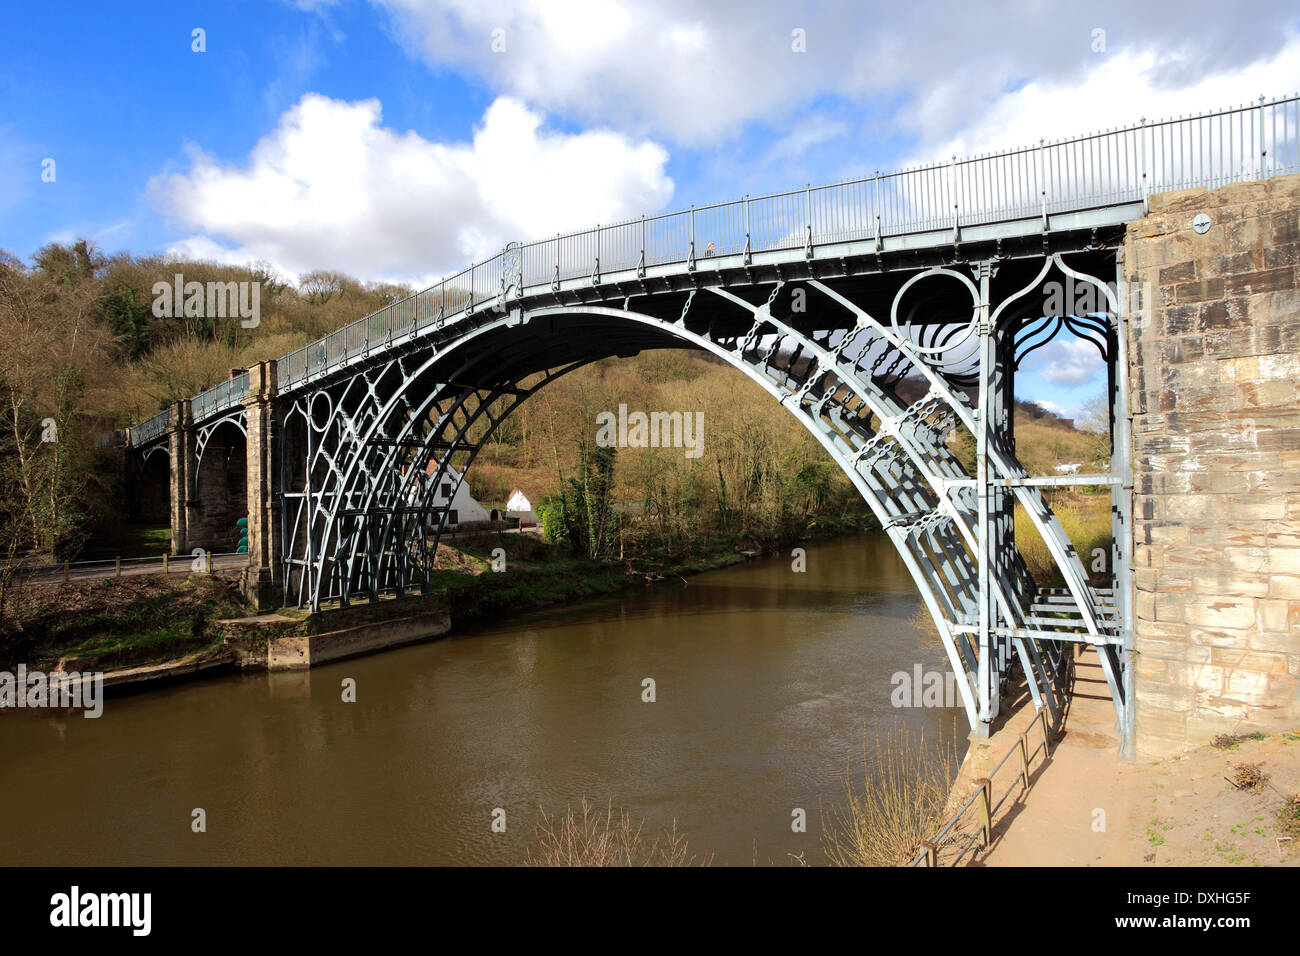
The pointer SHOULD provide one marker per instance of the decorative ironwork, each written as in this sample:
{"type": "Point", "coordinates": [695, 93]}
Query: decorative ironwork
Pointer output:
{"type": "Point", "coordinates": [512, 271]}
{"type": "Point", "coordinates": [363, 516]}
{"type": "Point", "coordinates": [204, 432]}
{"type": "Point", "coordinates": [373, 416]}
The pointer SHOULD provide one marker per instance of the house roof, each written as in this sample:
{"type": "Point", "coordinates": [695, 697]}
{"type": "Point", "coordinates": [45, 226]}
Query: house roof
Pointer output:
{"type": "Point", "coordinates": [432, 467]}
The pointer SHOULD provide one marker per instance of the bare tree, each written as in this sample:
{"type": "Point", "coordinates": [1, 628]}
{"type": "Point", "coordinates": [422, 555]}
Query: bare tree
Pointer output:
{"type": "Point", "coordinates": [53, 360]}
{"type": "Point", "coordinates": [320, 286]}
{"type": "Point", "coordinates": [1095, 414]}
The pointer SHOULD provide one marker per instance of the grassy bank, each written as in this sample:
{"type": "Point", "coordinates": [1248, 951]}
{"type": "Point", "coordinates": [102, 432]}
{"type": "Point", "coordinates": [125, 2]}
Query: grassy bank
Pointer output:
{"type": "Point", "coordinates": [1086, 519]}
{"type": "Point", "coordinates": [116, 622]}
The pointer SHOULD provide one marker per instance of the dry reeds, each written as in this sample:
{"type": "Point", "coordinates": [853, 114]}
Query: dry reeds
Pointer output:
{"type": "Point", "coordinates": [1288, 816]}
{"type": "Point", "coordinates": [896, 804]}
{"type": "Point", "coordinates": [1248, 776]}
{"type": "Point", "coordinates": [608, 839]}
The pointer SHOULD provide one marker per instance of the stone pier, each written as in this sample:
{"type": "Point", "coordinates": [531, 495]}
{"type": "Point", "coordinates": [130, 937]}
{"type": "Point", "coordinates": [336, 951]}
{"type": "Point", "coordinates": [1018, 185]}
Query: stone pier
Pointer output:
{"type": "Point", "coordinates": [180, 444]}
{"type": "Point", "coordinates": [262, 583]}
{"type": "Point", "coordinates": [1214, 363]}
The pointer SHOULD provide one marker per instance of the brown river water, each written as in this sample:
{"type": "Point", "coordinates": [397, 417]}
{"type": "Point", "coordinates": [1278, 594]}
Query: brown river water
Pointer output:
{"type": "Point", "coordinates": [768, 685]}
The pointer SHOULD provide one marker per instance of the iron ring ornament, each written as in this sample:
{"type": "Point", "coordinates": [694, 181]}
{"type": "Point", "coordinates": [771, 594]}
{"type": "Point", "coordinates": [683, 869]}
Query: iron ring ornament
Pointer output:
{"type": "Point", "coordinates": [950, 348]}
{"type": "Point", "coordinates": [941, 345]}
{"type": "Point", "coordinates": [905, 334]}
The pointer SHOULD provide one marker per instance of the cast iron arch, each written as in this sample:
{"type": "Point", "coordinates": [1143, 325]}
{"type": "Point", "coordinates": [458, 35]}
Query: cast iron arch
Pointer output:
{"type": "Point", "coordinates": [375, 512]}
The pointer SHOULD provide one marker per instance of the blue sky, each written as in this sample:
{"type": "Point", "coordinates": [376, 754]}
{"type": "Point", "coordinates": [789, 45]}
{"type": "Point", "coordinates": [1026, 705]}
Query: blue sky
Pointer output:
{"type": "Point", "coordinates": [129, 94]}
{"type": "Point", "coordinates": [399, 139]}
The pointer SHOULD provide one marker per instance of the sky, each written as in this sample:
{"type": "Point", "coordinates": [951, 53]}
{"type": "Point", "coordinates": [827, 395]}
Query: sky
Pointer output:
{"type": "Point", "coordinates": [399, 140]}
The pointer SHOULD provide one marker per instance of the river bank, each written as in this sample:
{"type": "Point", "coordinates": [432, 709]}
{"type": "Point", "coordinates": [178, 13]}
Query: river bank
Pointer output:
{"type": "Point", "coordinates": [151, 630]}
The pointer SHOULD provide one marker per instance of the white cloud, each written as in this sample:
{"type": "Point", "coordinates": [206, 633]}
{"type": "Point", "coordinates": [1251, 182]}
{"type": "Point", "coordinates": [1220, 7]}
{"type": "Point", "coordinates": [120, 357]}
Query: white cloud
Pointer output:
{"type": "Point", "coordinates": [1124, 86]}
{"type": "Point", "coordinates": [698, 73]}
{"type": "Point", "coordinates": [806, 134]}
{"type": "Point", "coordinates": [122, 225]}
{"type": "Point", "coordinates": [1066, 362]}
{"type": "Point", "coordinates": [331, 187]}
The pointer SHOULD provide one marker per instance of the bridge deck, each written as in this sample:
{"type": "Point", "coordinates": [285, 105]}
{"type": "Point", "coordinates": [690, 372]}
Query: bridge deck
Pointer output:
{"type": "Point", "coordinates": [1079, 184]}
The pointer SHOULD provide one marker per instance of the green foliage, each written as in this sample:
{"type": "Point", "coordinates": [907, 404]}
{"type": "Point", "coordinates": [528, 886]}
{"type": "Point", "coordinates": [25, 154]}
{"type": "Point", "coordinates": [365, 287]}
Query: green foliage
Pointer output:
{"type": "Point", "coordinates": [67, 265]}
{"type": "Point", "coordinates": [127, 316]}
{"type": "Point", "coordinates": [554, 519]}
{"type": "Point", "coordinates": [582, 516]}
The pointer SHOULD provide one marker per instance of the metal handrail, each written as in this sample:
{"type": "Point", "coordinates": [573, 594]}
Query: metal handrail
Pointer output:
{"type": "Point", "coordinates": [983, 795]}
{"type": "Point", "coordinates": [59, 565]}
{"type": "Point", "coordinates": [220, 397]}
{"type": "Point", "coordinates": [29, 571]}
{"type": "Point", "coordinates": [1105, 168]}
{"type": "Point", "coordinates": [150, 428]}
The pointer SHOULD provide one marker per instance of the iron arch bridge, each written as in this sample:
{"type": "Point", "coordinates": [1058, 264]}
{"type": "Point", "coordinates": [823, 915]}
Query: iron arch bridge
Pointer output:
{"type": "Point", "coordinates": [933, 283]}
{"type": "Point", "coordinates": [357, 516]}
{"type": "Point", "coordinates": [360, 518]}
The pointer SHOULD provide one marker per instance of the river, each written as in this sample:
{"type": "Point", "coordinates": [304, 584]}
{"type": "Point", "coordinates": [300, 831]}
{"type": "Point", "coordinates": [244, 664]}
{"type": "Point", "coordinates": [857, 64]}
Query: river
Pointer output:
{"type": "Point", "coordinates": [768, 683]}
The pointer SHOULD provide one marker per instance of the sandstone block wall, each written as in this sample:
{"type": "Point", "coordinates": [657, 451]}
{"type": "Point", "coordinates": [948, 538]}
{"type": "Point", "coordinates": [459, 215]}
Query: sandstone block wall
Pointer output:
{"type": "Point", "coordinates": [1214, 355]}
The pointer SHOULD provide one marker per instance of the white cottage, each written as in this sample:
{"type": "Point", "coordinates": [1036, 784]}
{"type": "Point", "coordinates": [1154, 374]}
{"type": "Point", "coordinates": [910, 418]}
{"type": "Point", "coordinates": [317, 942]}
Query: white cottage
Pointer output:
{"type": "Point", "coordinates": [520, 507]}
{"type": "Point", "coordinates": [452, 494]}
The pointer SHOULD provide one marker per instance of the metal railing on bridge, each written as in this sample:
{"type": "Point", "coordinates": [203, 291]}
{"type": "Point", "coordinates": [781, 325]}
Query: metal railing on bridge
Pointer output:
{"type": "Point", "coordinates": [220, 397]}
{"type": "Point", "coordinates": [150, 428]}
{"type": "Point", "coordinates": [1111, 167]}
{"type": "Point", "coordinates": [455, 295]}
{"type": "Point", "coordinates": [207, 403]}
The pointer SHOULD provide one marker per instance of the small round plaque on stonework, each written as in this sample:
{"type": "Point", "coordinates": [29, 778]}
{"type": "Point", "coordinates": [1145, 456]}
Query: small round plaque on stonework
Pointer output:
{"type": "Point", "coordinates": [1201, 224]}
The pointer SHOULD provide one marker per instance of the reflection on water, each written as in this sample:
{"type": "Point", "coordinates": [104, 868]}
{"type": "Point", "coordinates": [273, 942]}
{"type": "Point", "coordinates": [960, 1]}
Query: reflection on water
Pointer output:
{"type": "Point", "coordinates": [768, 682]}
